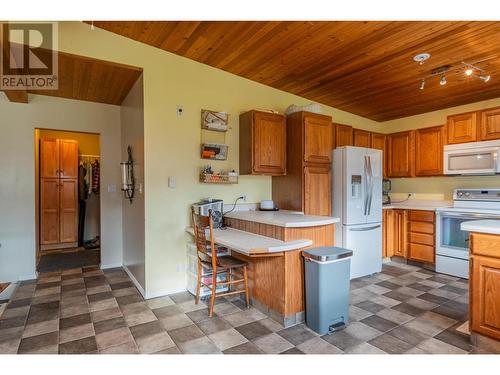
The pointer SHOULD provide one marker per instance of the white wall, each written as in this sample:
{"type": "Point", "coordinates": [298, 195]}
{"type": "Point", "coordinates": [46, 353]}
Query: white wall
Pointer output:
{"type": "Point", "coordinates": [132, 130]}
{"type": "Point", "coordinates": [17, 175]}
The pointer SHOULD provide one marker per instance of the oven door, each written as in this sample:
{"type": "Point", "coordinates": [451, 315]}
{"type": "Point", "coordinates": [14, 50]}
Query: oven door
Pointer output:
{"type": "Point", "coordinates": [451, 241]}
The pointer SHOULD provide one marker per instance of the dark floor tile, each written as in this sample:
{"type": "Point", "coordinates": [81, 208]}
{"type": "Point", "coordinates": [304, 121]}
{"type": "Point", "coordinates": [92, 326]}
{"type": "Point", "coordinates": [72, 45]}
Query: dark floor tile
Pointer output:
{"type": "Point", "coordinates": [408, 335]}
{"type": "Point", "coordinates": [53, 305]}
{"type": "Point", "coordinates": [34, 343]}
{"type": "Point", "coordinates": [358, 283]}
{"type": "Point", "coordinates": [433, 298]}
{"type": "Point", "coordinates": [9, 334]}
{"type": "Point", "coordinates": [19, 303]}
{"type": "Point", "coordinates": [254, 330]}
{"type": "Point", "coordinates": [163, 312]}
{"type": "Point", "coordinates": [246, 348]}
{"type": "Point", "coordinates": [74, 321]}
{"type": "Point", "coordinates": [72, 276]}
{"type": "Point", "coordinates": [455, 338]}
{"type": "Point", "coordinates": [370, 306]}
{"type": "Point", "coordinates": [109, 325]}
{"type": "Point", "coordinates": [122, 285]}
{"type": "Point", "coordinates": [172, 350]}
{"type": "Point", "coordinates": [82, 346]}
{"type": "Point", "coordinates": [100, 296]}
{"type": "Point", "coordinates": [17, 321]}
{"type": "Point", "coordinates": [184, 334]}
{"type": "Point", "coordinates": [379, 323]}
{"type": "Point", "coordinates": [240, 304]}
{"type": "Point", "coordinates": [43, 312]}
{"type": "Point", "coordinates": [52, 284]}
{"type": "Point", "coordinates": [390, 344]}
{"type": "Point", "coordinates": [73, 287]}
{"type": "Point", "coordinates": [27, 282]}
{"type": "Point", "coordinates": [387, 284]}
{"type": "Point", "coordinates": [408, 309]}
{"type": "Point", "coordinates": [426, 271]}
{"type": "Point", "coordinates": [127, 300]}
{"type": "Point", "coordinates": [94, 281]}
{"type": "Point", "coordinates": [296, 334]}
{"type": "Point", "coordinates": [199, 315]}
{"type": "Point", "coordinates": [293, 350]}
{"type": "Point", "coordinates": [214, 325]}
{"type": "Point", "coordinates": [47, 298]}
{"type": "Point", "coordinates": [342, 340]}
{"type": "Point", "coordinates": [451, 311]}
{"type": "Point", "coordinates": [454, 289]}
{"type": "Point", "coordinates": [146, 329]}
{"type": "Point", "coordinates": [421, 287]}
{"type": "Point", "coordinates": [439, 279]}
{"type": "Point", "coordinates": [397, 296]}
{"type": "Point", "coordinates": [181, 297]}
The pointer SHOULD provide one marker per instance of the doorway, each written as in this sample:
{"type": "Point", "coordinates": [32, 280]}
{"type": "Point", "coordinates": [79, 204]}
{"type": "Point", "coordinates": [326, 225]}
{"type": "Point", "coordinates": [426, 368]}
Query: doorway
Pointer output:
{"type": "Point", "coordinates": [67, 199]}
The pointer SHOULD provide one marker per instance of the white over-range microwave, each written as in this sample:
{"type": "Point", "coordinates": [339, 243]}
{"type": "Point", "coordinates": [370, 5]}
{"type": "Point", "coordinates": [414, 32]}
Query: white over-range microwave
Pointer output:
{"type": "Point", "coordinates": [474, 158]}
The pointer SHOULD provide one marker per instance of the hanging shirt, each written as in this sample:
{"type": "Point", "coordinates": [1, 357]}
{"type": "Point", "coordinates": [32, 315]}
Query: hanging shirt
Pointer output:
{"type": "Point", "coordinates": [82, 189]}
{"type": "Point", "coordinates": [96, 176]}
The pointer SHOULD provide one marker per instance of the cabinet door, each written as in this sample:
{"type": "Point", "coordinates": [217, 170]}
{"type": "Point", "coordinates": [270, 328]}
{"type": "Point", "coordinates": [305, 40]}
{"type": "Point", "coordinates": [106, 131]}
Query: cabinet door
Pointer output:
{"type": "Point", "coordinates": [429, 151]}
{"type": "Point", "coordinates": [485, 289]}
{"type": "Point", "coordinates": [317, 139]}
{"type": "Point", "coordinates": [462, 128]}
{"type": "Point", "coordinates": [317, 190]}
{"type": "Point", "coordinates": [490, 124]}
{"type": "Point", "coordinates": [343, 135]}
{"type": "Point", "coordinates": [400, 154]}
{"type": "Point", "coordinates": [378, 141]}
{"type": "Point", "coordinates": [49, 211]}
{"type": "Point", "coordinates": [388, 233]}
{"type": "Point", "coordinates": [68, 158]}
{"type": "Point", "coordinates": [49, 158]}
{"type": "Point", "coordinates": [400, 233]}
{"type": "Point", "coordinates": [362, 138]}
{"type": "Point", "coordinates": [269, 144]}
{"type": "Point", "coordinates": [68, 210]}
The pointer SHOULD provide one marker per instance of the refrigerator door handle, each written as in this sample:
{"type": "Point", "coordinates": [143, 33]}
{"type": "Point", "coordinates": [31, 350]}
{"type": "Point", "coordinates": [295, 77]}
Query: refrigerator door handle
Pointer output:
{"type": "Point", "coordinates": [365, 211]}
{"type": "Point", "coordinates": [370, 185]}
{"type": "Point", "coordinates": [365, 228]}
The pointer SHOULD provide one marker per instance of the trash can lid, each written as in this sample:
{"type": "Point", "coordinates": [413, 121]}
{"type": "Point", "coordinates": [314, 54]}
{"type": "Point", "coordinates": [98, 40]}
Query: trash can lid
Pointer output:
{"type": "Point", "coordinates": [327, 253]}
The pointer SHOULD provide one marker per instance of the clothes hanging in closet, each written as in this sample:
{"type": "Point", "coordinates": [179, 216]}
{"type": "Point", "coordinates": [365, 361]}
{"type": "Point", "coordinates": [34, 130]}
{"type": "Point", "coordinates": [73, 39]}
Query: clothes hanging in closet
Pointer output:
{"type": "Point", "coordinates": [88, 183]}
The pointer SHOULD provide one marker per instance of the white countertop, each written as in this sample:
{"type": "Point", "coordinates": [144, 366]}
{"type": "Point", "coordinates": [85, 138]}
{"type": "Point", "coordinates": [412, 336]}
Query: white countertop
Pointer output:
{"type": "Point", "coordinates": [283, 218]}
{"type": "Point", "coordinates": [481, 226]}
{"type": "Point", "coordinates": [248, 243]}
{"type": "Point", "coordinates": [414, 204]}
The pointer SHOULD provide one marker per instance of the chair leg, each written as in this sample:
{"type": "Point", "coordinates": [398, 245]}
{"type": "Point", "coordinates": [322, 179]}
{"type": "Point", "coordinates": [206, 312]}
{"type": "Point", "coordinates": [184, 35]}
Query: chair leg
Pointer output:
{"type": "Point", "coordinates": [245, 275]}
{"type": "Point", "coordinates": [228, 279]}
{"type": "Point", "coordinates": [198, 284]}
{"type": "Point", "coordinates": [212, 299]}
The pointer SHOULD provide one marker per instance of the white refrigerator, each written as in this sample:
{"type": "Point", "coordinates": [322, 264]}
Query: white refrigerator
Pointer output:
{"type": "Point", "coordinates": [357, 201]}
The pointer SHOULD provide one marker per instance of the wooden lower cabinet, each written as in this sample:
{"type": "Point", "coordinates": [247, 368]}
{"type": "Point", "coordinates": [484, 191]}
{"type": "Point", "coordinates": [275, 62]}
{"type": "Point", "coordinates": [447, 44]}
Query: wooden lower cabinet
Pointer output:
{"type": "Point", "coordinates": [485, 286]}
{"type": "Point", "coordinates": [395, 233]}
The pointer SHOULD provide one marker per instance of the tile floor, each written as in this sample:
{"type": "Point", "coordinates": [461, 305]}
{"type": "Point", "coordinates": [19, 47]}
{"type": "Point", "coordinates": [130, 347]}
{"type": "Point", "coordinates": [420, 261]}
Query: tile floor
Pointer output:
{"type": "Point", "coordinates": [403, 309]}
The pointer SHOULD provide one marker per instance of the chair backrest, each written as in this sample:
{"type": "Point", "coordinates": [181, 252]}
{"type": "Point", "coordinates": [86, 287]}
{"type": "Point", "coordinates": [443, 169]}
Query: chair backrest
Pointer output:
{"type": "Point", "coordinates": [200, 224]}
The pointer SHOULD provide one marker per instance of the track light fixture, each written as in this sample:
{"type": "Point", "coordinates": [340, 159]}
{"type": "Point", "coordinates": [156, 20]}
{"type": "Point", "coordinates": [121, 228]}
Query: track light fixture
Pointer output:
{"type": "Point", "coordinates": [443, 80]}
{"type": "Point", "coordinates": [469, 71]}
{"type": "Point", "coordinates": [485, 78]}
{"type": "Point", "coordinates": [422, 84]}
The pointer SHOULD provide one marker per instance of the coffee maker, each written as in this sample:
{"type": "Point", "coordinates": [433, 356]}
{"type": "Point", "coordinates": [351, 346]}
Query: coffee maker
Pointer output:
{"type": "Point", "coordinates": [386, 188]}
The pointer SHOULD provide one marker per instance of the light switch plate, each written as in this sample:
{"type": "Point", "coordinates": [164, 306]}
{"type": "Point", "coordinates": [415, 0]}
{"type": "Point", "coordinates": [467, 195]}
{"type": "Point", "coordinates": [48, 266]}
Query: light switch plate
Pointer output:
{"type": "Point", "coordinates": [112, 188]}
{"type": "Point", "coordinates": [172, 182]}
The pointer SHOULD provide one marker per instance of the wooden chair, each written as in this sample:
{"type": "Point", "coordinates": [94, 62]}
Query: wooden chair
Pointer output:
{"type": "Point", "coordinates": [235, 269]}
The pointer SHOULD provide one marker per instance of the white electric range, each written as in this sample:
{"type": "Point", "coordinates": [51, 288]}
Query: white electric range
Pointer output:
{"type": "Point", "coordinates": [452, 244]}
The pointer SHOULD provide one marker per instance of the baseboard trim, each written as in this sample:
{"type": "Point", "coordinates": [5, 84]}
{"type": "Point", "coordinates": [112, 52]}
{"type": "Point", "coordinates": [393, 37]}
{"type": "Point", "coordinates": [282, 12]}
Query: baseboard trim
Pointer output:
{"type": "Point", "coordinates": [134, 280]}
{"type": "Point", "coordinates": [28, 277]}
{"type": "Point", "coordinates": [163, 293]}
{"type": "Point", "coordinates": [112, 265]}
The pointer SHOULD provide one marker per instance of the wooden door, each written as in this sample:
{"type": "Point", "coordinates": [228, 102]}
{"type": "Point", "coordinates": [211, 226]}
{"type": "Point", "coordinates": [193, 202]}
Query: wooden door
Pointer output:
{"type": "Point", "coordinates": [490, 124]}
{"type": "Point", "coordinates": [362, 138]}
{"type": "Point", "coordinates": [49, 211]}
{"type": "Point", "coordinates": [378, 141]}
{"type": "Point", "coordinates": [400, 154]}
{"type": "Point", "coordinates": [485, 292]}
{"type": "Point", "coordinates": [462, 128]}
{"type": "Point", "coordinates": [317, 139]}
{"type": "Point", "coordinates": [387, 233]}
{"type": "Point", "coordinates": [400, 232]}
{"type": "Point", "coordinates": [49, 158]}
{"type": "Point", "coordinates": [317, 190]}
{"type": "Point", "coordinates": [68, 210]}
{"type": "Point", "coordinates": [269, 144]}
{"type": "Point", "coordinates": [429, 151]}
{"type": "Point", "coordinates": [343, 135]}
{"type": "Point", "coordinates": [68, 158]}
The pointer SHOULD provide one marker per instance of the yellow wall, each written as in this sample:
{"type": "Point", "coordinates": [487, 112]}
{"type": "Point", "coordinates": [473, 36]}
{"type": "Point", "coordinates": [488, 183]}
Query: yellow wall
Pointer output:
{"type": "Point", "coordinates": [88, 143]}
{"type": "Point", "coordinates": [172, 144]}
{"type": "Point", "coordinates": [443, 185]}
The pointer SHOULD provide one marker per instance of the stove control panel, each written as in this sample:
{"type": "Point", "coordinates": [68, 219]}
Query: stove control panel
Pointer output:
{"type": "Point", "coordinates": [488, 195]}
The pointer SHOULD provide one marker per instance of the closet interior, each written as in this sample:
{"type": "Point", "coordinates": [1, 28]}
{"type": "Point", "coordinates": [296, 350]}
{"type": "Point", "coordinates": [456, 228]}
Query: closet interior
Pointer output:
{"type": "Point", "coordinates": [68, 204]}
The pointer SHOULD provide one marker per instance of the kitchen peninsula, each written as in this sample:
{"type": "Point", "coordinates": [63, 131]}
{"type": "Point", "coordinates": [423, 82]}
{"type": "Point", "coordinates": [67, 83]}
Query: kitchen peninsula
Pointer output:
{"type": "Point", "coordinates": [272, 244]}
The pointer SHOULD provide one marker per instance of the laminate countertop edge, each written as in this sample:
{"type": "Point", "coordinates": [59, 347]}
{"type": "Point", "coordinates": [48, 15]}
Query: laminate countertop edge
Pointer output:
{"type": "Point", "coordinates": [283, 218]}
{"type": "Point", "coordinates": [481, 226]}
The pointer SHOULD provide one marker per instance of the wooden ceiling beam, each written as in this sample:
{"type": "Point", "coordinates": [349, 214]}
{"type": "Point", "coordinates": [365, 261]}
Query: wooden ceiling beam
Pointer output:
{"type": "Point", "coordinates": [17, 96]}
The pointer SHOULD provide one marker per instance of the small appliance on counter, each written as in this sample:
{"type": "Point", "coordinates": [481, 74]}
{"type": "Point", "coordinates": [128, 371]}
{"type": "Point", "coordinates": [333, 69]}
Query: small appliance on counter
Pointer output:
{"type": "Point", "coordinates": [268, 205]}
{"type": "Point", "coordinates": [386, 189]}
{"type": "Point", "coordinates": [216, 205]}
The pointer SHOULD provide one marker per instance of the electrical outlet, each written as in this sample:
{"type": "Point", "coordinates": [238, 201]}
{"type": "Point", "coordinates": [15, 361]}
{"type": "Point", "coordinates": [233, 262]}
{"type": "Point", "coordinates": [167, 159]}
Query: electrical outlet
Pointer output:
{"type": "Point", "coordinates": [243, 197]}
{"type": "Point", "coordinates": [411, 195]}
{"type": "Point", "coordinates": [180, 110]}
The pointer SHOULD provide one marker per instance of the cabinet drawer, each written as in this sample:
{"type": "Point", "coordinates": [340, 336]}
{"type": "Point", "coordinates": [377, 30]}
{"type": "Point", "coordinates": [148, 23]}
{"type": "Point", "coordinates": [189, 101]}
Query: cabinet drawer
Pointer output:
{"type": "Point", "coordinates": [419, 227]}
{"type": "Point", "coordinates": [485, 244]}
{"type": "Point", "coordinates": [417, 215]}
{"type": "Point", "coordinates": [422, 238]}
{"type": "Point", "coordinates": [423, 253]}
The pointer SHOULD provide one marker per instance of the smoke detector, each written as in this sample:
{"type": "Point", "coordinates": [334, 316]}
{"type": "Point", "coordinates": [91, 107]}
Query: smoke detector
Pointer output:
{"type": "Point", "coordinates": [421, 57]}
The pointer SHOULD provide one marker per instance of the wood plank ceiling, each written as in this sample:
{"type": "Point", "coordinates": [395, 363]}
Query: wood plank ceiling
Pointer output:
{"type": "Point", "coordinates": [84, 78]}
{"type": "Point", "coordinates": [366, 68]}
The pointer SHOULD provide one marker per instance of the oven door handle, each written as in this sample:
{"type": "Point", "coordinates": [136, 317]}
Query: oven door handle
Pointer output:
{"type": "Point", "coordinates": [466, 215]}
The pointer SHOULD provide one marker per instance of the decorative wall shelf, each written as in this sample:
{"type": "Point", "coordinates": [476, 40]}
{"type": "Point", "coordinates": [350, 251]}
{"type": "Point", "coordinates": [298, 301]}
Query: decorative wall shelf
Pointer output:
{"type": "Point", "coordinates": [207, 178]}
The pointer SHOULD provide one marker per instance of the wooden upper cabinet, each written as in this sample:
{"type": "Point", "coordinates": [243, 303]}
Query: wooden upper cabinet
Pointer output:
{"type": "Point", "coordinates": [462, 128]}
{"type": "Point", "coordinates": [362, 138]}
{"type": "Point", "coordinates": [318, 138]}
{"type": "Point", "coordinates": [429, 151]}
{"type": "Point", "coordinates": [317, 190]}
{"type": "Point", "coordinates": [68, 158]}
{"type": "Point", "coordinates": [49, 158]}
{"type": "Point", "coordinates": [262, 143]}
{"type": "Point", "coordinates": [343, 135]}
{"type": "Point", "coordinates": [489, 124]}
{"type": "Point", "coordinates": [400, 154]}
{"type": "Point", "coordinates": [378, 141]}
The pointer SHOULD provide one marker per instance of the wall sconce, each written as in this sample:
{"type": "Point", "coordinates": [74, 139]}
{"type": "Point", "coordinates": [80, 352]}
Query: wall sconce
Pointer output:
{"type": "Point", "coordinates": [128, 182]}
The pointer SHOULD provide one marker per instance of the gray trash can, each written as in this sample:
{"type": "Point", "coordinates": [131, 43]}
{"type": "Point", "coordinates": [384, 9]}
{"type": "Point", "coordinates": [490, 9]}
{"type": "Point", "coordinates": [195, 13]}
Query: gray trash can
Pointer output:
{"type": "Point", "coordinates": [327, 271]}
